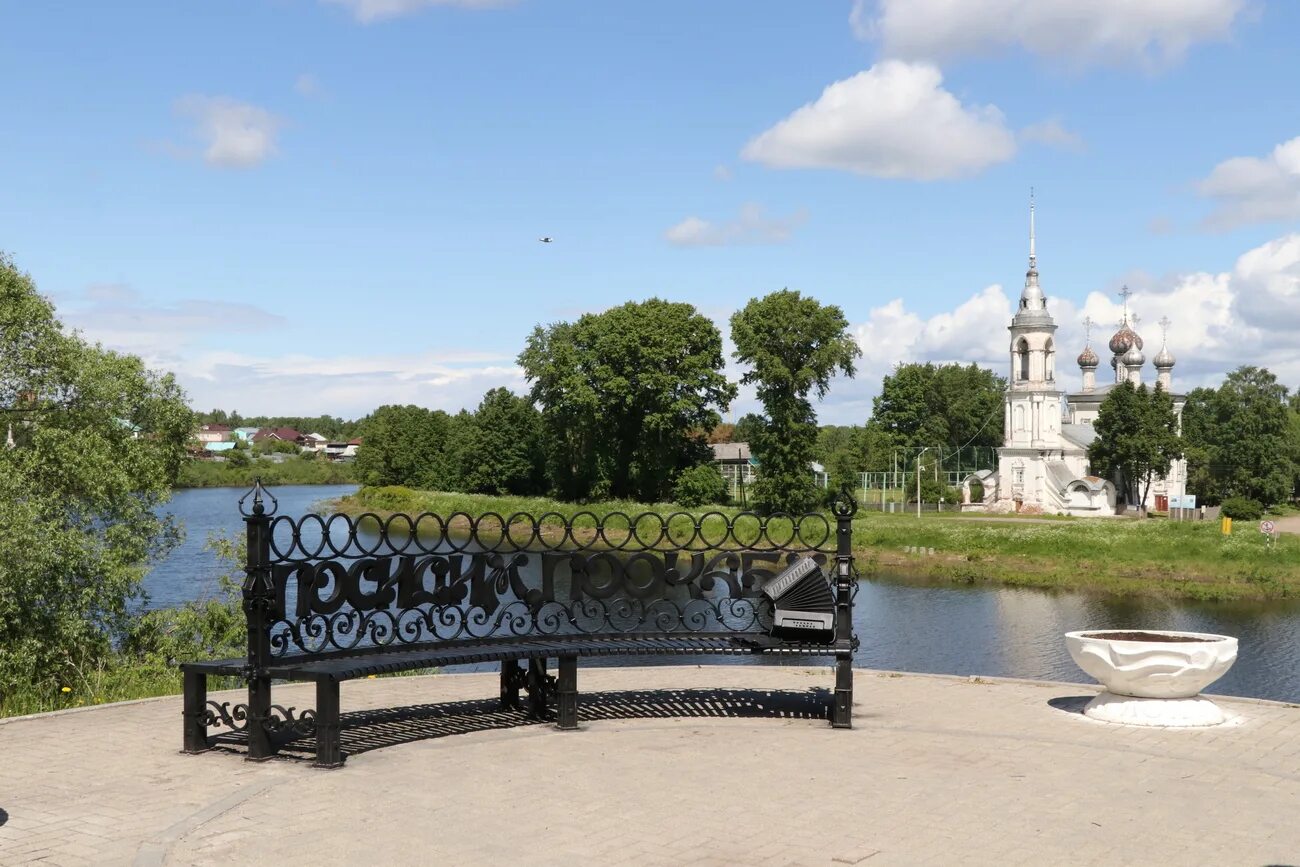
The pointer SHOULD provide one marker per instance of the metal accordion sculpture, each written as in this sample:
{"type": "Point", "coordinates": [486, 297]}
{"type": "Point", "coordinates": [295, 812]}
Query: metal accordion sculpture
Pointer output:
{"type": "Point", "coordinates": [803, 602]}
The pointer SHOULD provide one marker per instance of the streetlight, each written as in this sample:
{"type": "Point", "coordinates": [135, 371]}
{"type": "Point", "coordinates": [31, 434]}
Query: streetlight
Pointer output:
{"type": "Point", "coordinates": [918, 479]}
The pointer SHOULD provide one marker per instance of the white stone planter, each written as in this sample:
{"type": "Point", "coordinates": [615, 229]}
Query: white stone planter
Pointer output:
{"type": "Point", "coordinates": [1153, 677]}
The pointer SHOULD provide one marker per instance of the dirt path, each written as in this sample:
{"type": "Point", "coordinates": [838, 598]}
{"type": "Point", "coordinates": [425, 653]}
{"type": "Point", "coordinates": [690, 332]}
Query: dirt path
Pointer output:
{"type": "Point", "coordinates": [1289, 524]}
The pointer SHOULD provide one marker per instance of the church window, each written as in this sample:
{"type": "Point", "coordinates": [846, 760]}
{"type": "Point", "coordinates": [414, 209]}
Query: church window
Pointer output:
{"type": "Point", "coordinates": [1022, 360]}
{"type": "Point", "coordinates": [1051, 361]}
{"type": "Point", "coordinates": [1019, 418]}
{"type": "Point", "coordinates": [1018, 475]}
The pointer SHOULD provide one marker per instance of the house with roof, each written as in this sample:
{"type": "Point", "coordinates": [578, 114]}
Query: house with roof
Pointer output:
{"type": "Point", "coordinates": [214, 433]}
{"type": "Point", "coordinates": [284, 434]}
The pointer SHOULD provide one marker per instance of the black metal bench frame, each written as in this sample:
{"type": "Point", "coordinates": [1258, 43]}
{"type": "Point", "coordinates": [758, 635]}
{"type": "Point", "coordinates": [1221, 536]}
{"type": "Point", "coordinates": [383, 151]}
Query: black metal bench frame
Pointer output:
{"type": "Point", "coordinates": [338, 598]}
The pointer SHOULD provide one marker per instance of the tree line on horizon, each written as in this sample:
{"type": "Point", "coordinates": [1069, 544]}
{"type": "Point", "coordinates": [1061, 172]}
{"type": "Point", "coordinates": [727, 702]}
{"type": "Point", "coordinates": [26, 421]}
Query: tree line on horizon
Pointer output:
{"type": "Point", "coordinates": [622, 405]}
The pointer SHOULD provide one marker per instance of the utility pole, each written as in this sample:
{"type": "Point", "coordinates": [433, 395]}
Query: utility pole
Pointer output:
{"type": "Point", "coordinates": [918, 480]}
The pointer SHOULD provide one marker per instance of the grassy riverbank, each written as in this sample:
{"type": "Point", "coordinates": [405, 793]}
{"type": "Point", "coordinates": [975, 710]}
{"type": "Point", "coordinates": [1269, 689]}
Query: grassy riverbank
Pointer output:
{"type": "Point", "coordinates": [1152, 557]}
{"type": "Point", "coordinates": [294, 471]}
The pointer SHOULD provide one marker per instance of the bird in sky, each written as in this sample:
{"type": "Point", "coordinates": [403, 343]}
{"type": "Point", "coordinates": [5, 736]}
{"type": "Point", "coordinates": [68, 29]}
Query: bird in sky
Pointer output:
{"type": "Point", "coordinates": [546, 240]}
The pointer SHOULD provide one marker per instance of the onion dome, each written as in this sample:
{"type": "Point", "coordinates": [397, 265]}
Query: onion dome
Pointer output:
{"type": "Point", "coordinates": [1134, 357]}
{"type": "Point", "coordinates": [1088, 359]}
{"type": "Point", "coordinates": [1164, 359]}
{"type": "Point", "coordinates": [1124, 339]}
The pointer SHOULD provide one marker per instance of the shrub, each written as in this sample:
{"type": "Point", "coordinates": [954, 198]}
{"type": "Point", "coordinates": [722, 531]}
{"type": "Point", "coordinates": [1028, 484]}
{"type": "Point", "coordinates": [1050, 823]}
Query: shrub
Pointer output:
{"type": "Point", "coordinates": [699, 486]}
{"type": "Point", "coordinates": [1243, 509]}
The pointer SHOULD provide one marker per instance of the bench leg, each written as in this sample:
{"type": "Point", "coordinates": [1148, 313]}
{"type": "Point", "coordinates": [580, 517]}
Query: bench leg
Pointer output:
{"type": "Point", "coordinates": [566, 693]}
{"type": "Point", "coordinates": [195, 714]}
{"type": "Point", "coordinates": [328, 753]}
{"type": "Point", "coordinates": [537, 687]}
{"type": "Point", "coordinates": [260, 747]}
{"type": "Point", "coordinates": [842, 711]}
{"type": "Point", "coordinates": [512, 675]}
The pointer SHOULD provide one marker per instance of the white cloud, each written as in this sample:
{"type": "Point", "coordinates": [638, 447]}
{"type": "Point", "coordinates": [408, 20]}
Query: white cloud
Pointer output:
{"type": "Point", "coordinates": [367, 11]}
{"type": "Point", "coordinates": [1052, 132]}
{"type": "Point", "coordinates": [1218, 321]}
{"type": "Point", "coordinates": [894, 120]}
{"type": "Point", "coordinates": [232, 134]}
{"type": "Point", "coordinates": [345, 385]}
{"type": "Point", "coordinates": [722, 172]}
{"type": "Point", "coordinates": [177, 337]}
{"type": "Point", "coordinates": [752, 226]}
{"type": "Point", "coordinates": [1146, 32]}
{"type": "Point", "coordinates": [1255, 189]}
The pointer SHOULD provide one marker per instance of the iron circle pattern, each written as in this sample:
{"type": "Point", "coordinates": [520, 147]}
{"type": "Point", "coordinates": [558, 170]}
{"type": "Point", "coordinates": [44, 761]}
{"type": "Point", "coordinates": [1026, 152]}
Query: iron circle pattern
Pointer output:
{"type": "Point", "coordinates": [662, 530]}
{"type": "Point", "coordinates": [463, 544]}
{"type": "Point", "coordinates": [423, 523]}
{"type": "Point", "coordinates": [389, 529]}
{"type": "Point", "coordinates": [328, 534]}
{"type": "Point", "coordinates": [677, 541]}
{"type": "Point", "coordinates": [527, 521]}
{"type": "Point", "coordinates": [540, 524]}
{"type": "Point", "coordinates": [285, 549]}
{"type": "Point", "coordinates": [816, 520]}
{"type": "Point", "coordinates": [605, 529]}
{"type": "Point", "coordinates": [778, 517]}
{"type": "Point", "coordinates": [704, 535]}
{"type": "Point", "coordinates": [572, 529]}
{"type": "Point", "coordinates": [483, 526]}
{"type": "Point", "coordinates": [741, 530]}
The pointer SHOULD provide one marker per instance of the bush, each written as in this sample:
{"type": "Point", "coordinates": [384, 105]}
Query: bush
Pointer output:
{"type": "Point", "coordinates": [1243, 509]}
{"type": "Point", "coordinates": [699, 486]}
{"type": "Point", "coordinates": [932, 491]}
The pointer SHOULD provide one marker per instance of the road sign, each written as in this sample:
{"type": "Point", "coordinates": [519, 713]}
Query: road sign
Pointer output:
{"type": "Point", "coordinates": [1267, 527]}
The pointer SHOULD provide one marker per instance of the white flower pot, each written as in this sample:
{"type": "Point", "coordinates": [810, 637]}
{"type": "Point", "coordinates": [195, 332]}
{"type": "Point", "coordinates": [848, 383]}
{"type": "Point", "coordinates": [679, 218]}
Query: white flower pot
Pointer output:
{"type": "Point", "coordinates": [1153, 677]}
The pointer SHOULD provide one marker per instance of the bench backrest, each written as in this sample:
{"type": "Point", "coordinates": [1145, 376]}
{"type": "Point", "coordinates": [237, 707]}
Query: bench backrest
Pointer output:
{"type": "Point", "coordinates": [320, 586]}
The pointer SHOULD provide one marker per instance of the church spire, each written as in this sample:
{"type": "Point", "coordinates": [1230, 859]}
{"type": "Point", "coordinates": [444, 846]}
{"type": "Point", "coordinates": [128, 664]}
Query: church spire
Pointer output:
{"type": "Point", "coordinates": [1032, 299]}
{"type": "Point", "coordinates": [1033, 258]}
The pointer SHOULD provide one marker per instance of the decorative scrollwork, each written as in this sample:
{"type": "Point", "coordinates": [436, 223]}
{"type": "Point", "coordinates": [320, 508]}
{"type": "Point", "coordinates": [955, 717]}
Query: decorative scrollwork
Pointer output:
{"type": "Point", "coordinates": [844, 504]}
{"type": "Point", "coordinates": [279, 720]}
{"type": "Point", "coordinates": [258, 507]}
{"type": "Point", "coordinates": [282, 719]}
{"type": "Point", "coordinates": [218, 715]}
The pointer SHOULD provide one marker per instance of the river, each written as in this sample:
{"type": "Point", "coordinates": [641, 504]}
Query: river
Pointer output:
{"type": "Point", "coordinates": [903, 625]}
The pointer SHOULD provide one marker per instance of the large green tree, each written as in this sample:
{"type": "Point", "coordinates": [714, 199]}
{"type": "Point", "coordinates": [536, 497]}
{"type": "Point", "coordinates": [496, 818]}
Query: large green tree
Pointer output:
{"type": "Point", "coordinates": [409, 445]}
{"type": "Point", "coordinates": [1137, 438]}
{"type": "Point", "coordinates": [793, 346]}
{"type": "Point", "coordinates": [948, 405]}
{"type": "Point", "coordinates": [504, 450]}
{"type": "Point", "coordinates": [98, 441]}
{"type": "Point", "coordinates": [1240, 439]}
{"type": "Point", "coordinates": [626, 396]}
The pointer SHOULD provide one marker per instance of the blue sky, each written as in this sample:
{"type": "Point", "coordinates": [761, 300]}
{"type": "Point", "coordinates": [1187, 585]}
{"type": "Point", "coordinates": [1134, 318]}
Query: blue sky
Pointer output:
{"type": "Point", "coordinates": [307, 206]}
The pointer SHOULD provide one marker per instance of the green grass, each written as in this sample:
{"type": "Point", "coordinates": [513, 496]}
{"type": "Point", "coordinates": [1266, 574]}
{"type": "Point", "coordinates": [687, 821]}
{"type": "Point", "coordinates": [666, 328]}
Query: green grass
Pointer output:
{"type": "Point", "coordinates": [1148, 557]}
{"type": "Point", "coordinates": [118, 680]}
{"type": "Point", "coordinates": [295, 471]}
{"type": "Point", "coordinates": [1131, 557]}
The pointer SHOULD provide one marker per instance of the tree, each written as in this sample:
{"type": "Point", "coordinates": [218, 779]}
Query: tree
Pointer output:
{"type": "Point", "coordinates": [504, 451]}
{"type": "Point", "coordinates": [1240, 437]}
{"type": "Point", "coordinates": [749, 428]}
{"type": "Point", "coordinates": [625, 396]}
{"type": "Point", "coordinates": [793, 346]}
{"type": "Point", "coordinates": [1137, 438]}
{"type": "Point", "coordinates": [947, 405]}
{"type": "Point", "coordinates": [99, 440]}
{"type": "Point", "coordinates": [407, 445]}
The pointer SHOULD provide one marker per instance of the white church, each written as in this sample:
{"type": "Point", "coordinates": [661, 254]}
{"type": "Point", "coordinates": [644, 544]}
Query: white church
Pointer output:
{"type": "Point", "coordinates": [1043, 463]}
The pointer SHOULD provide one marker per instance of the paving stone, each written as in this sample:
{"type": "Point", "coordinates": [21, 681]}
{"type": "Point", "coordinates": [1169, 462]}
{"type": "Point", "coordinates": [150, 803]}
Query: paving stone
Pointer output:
{"type": "Point", "coordinates": [935, 770]}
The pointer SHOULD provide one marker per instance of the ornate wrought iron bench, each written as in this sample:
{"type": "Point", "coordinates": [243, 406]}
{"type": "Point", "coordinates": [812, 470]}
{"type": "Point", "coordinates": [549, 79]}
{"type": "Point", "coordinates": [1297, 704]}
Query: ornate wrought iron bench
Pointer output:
{"type": "Point", "coordinates": [337, 598]}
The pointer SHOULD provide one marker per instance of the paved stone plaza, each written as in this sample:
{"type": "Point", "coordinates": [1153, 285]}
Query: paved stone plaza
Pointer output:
{"type": "Point", "coordinates": [674, 765]}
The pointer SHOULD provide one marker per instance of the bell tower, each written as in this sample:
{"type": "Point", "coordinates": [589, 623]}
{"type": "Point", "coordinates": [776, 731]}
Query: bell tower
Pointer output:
{"type": "Point", "coordinates": [1033, 403]}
